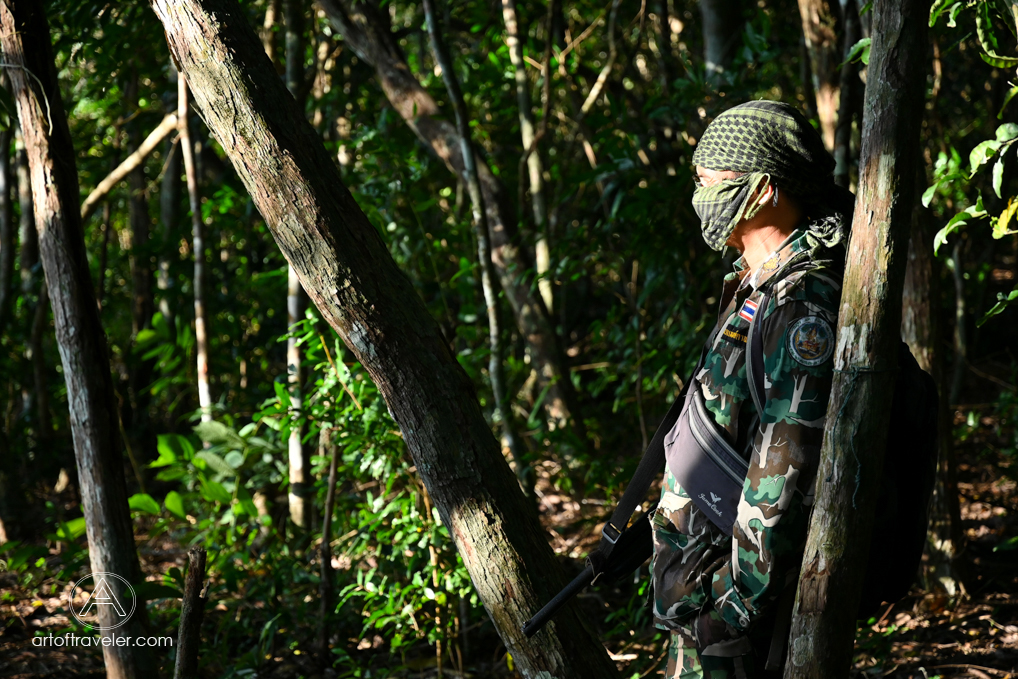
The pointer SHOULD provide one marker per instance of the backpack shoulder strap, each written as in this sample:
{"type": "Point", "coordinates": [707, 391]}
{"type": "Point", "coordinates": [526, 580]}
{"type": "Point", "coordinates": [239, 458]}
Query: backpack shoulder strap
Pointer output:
{"type": "Point", "coordinates": [754, 343]}
{"type": "Point", "coordinates": [649, 469]}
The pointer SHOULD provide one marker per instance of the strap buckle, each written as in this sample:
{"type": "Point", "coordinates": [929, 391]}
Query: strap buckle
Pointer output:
{"type": "Point", "coordinates": [611, 533]}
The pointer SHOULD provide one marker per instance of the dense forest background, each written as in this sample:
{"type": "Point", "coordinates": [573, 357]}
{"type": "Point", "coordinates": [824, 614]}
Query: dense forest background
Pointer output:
{"type": "Point", "coordinates": [577, 325]}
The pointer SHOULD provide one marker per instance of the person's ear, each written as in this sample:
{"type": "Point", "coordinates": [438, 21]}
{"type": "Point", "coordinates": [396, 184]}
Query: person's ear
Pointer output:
{"type": "Point", "coordinates": [766, 195]}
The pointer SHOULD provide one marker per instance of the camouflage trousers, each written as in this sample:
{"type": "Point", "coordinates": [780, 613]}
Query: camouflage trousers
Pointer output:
{"type": "Point", "coordinates": [684, 662]}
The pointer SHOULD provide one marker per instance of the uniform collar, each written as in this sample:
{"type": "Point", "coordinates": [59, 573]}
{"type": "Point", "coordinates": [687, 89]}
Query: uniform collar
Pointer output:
{"type": "Point", "coordinates": [774, 262]}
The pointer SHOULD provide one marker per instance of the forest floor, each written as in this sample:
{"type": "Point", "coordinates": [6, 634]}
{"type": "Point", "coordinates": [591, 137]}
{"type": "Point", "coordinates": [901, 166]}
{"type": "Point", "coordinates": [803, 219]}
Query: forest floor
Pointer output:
{"type": "Point", "coordinates": [921, 637]}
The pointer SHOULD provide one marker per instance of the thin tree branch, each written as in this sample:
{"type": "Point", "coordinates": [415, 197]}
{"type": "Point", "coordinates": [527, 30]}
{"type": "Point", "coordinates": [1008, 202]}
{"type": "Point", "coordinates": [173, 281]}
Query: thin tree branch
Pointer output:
{"type": "Point", "coordinates": [130, 164]}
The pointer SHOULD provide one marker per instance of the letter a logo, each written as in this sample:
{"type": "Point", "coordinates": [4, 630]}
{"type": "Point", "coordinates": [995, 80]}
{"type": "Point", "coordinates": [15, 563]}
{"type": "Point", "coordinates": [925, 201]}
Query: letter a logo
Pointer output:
{"type": "Point", "coordinates": [102, 608]}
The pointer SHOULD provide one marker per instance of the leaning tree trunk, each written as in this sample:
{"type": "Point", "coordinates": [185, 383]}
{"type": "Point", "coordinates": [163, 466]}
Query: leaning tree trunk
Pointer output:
{"type": "Point", "coordinates": [822, 29]}
{"type": "Point", "coordinates": [920, 328]}
{"type": "Point", "coordinates": [368, 36]}
{"type": "Point", "coordinates": [850, 92]}
{"type": "Point", "coordinates": [299, 457]}
{"type": "Point", "coordinates": [347, 271]}
{"type": "Point", "coordinates": [24, 35]}
{"type": "Point", "coordinates": [869, 326]}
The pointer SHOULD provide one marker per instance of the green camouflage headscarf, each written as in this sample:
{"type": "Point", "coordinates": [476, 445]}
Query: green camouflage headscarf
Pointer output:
{"type": "Point", "coordinates": [770, 142]}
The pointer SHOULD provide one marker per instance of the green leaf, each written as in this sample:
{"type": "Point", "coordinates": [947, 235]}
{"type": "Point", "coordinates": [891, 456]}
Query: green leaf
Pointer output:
{"type": "Point", "coordinates": [72, 530]}
{"type": "Point", "coordinates": [860, 50]}
{"type": "Point", "coordinates": [172, 448]}
{"type": "Point", "coordinates": [998, 175]}
{"type": "Point", "coordinates": [929, 193]}
{"type": "Point", "coordinates": [956, 222]}
{"type": "Point", "coordinates": [1007, 132]}
{"type": "Point", "coordinates": [215, 492]}
{"type": "Point", "coordinates": [143, 502]}
{"type": "Point", "coordinates": [175, 503]}
{"type": "Point", "coordinates": [988, 40]}
{"type": "Point", "coordinates": [982, 153]}
{"type": "Point", "coordinates": [234, 458]}
{"type": "Point", "coordinates": [1002, 303]}
{"type": "Point", "coordinates": [217, 463]}
{"type": "Point", "coordinates": [282, 394]}
{"type": "Point", "coordinates": [935, 11]}
{"type": "Point", "coordinates": [218, 434]}
{"type": "Point", "coordinates": [955, 9]}
{"type": "Point", "coordinates": [247, 505]}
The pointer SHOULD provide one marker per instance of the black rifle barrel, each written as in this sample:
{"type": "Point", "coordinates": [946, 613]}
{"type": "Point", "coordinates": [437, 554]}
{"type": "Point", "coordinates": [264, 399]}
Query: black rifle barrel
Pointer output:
{"type": "Point", "coordinates": [536, 623]}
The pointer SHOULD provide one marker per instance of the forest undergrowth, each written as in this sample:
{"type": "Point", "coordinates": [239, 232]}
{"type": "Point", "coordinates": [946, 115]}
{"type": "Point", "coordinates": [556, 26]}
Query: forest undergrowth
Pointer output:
{"type": "Point", "coordinates": [925, 635]}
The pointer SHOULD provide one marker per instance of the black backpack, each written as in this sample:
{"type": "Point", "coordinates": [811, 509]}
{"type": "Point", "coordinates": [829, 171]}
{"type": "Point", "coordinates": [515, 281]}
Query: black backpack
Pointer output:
{"type": "Point", "coordinates": [906, 483]}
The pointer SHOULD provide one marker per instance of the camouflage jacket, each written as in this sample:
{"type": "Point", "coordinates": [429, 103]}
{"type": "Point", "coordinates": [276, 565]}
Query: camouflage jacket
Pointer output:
{"type": "Point", "coordinates": [707, 584]}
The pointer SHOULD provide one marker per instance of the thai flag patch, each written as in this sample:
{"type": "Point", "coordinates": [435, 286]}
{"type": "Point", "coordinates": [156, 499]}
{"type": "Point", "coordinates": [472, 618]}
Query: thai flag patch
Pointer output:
{"type": "Point", "coordinates": [748, 310]}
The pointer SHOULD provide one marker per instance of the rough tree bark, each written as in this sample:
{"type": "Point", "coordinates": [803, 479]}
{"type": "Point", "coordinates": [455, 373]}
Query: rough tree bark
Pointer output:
{"type": "Point", "coordinates": [299, 457]}
{"type": "Point", "coordinates": [370, 38]}
{"type": "Point", "coordinates": [24, 35]}
{"type": "Point", "coordinates": [8, 232]}
{"type": "Point", "coordinates": [495, 372]}
{"type": "Point", "coordinates": [920, 328]}
{"type": "Point", "coordinates": [201, 337]}
{"type": "Point", "coordinates": [869, 325]}
{"type": "Point", "coordinates": [822, 29]}
{"type": "Point", "coordinates": [535, 170]}
{"type": "Point", "coordinates": [347, 271]}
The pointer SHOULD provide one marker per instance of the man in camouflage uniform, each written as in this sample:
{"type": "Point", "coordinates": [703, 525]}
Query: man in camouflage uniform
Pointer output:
{"type": "Point", "coordinates": [765, 187]}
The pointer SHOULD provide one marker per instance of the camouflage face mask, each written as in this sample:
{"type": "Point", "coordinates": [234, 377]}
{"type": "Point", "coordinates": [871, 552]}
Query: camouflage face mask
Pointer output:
{"type": "Point", "coordinates": [722, 206]}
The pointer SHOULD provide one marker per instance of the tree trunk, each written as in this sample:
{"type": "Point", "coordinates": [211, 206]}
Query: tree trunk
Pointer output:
{"type": "Point", "coordinates": [192, 612]}
{"type": "Point", "coordinates": [198, 248]}
{"type": "Point", "coordinates": [822, 29]}
{"type": "Point", "coordinates": [369, 37]}
{"type": "Point", "coordinates": [850, 91]}
{"type": "Point", "coordinates": [296, 299]}
{"type": "Point", "coordinates": [8, 233]}
{"type": "Point", "coordinates": [920, 328]}
{"type": "Point", "coordinates": [345, 266]}
{"type": "Point", "coordinates": [495, 373]}
{"type": "Point", "coordinates": [93, 414]}
{"type": "Point", "coordinates": [542, 253]}
{"type": "Point", "coordinates": [869, 326]}
{"type": "Point", "coordinates": [136, 420]}
{"type": "Point", "coordinates": [26, 223]}
{"type": "Point", "coordinates": [169, 210]}
{"type": "Point", "coordinates": [722, 34]}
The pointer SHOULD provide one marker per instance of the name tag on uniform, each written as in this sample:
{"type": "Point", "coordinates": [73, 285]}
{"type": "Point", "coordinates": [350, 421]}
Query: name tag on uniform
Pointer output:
{"type": "Point", "coordinates": [733, 336]}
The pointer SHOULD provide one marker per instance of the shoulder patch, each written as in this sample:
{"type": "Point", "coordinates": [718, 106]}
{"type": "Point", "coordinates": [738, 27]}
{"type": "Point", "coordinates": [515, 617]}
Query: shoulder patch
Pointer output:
{"type": "Point", "coordinates": [810, 340]}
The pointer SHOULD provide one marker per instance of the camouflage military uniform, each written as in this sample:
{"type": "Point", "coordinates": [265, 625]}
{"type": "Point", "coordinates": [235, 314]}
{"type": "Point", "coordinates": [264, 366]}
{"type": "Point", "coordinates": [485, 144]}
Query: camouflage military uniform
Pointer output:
{"type": "Point", "coordinates": [714, 592]}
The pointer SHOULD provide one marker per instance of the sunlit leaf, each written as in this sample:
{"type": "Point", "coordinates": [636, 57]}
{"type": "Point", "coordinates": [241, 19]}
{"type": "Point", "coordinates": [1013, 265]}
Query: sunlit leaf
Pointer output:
{"type": "Point", "coordinates": [175, 503]}
{"type": "Point", "coordinates": [217, 463]}
{"type": "Point", "coordinates": [217, 434]}
{"type": "Point", "coordinates": [1002, 303]}
{"type": "Point", "coordinates": [143, 502]}
{"type": "Point", "coordinates": [1000, 225]}
{"type": "Point", "coordinates": [982, 153]}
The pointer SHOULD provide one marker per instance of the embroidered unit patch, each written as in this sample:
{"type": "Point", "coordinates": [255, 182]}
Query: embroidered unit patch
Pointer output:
{"type": "Point", "coordinates": [748, 310]}
{"type": "Point", "coordinates": [810, 340]}
{"type": "Point", "coordinates": [733, 336]}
